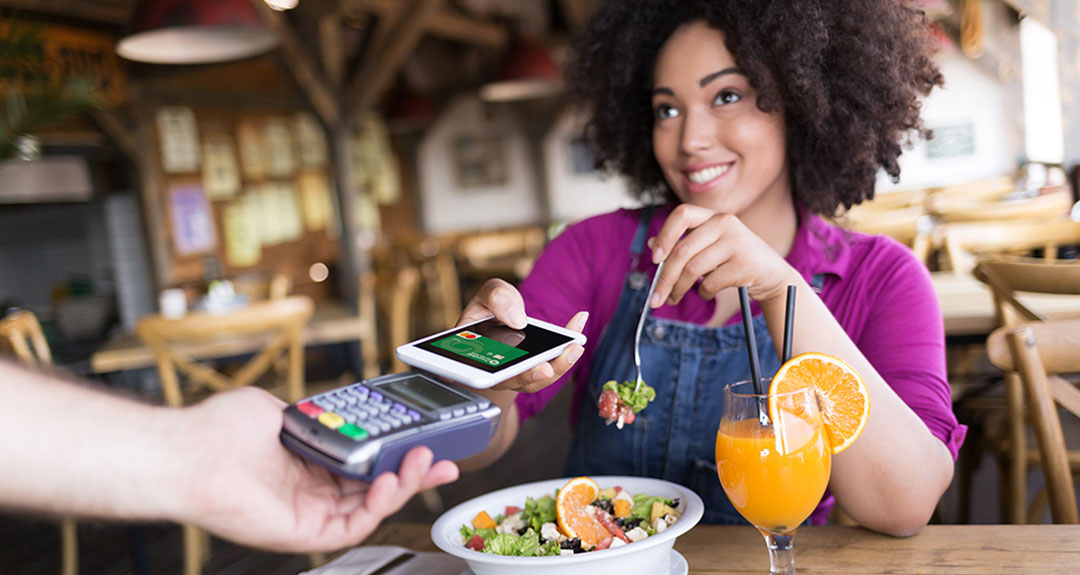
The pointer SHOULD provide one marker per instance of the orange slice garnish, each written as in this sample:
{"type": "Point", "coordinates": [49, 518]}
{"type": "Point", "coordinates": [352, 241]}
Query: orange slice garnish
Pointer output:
{"type": "Point", "coordinates": [844, 399]}
{"type": "Point", "coordinates": [572, 513]}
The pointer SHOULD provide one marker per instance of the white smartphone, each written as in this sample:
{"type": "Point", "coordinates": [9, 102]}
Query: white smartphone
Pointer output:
{"type": "Point", "coordinates": [483, 353]}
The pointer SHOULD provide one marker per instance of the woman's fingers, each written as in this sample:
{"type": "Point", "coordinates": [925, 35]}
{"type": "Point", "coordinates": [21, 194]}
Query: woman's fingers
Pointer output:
{"type": "Point", "coordinates": [547, 373]}
{"type": "Point", "coordinates": [499, 298]}
{"type": "Point", "coordinates": [684, 217]}
{"type": "Point", "coordinates": [689, 260]}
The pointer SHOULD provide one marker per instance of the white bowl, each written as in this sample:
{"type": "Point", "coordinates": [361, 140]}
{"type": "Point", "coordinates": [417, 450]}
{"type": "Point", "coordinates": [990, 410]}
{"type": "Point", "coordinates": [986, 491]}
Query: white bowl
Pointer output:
{"type": "Point", "coordinates": [649, 556]}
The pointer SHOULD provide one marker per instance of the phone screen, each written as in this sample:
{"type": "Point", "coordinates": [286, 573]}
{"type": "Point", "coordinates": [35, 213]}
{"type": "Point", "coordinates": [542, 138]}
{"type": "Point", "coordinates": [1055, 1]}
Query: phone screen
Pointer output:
{"type": "Point", "coordinates": [492, 346]}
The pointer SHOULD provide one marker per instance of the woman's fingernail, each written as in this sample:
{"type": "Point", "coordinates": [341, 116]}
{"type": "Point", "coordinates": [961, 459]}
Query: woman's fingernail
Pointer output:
{"type": "Point", "coordinates": [517, 317]}
{"type": "Point", "coordinates": [658, 255]}
{"type": "Point", "coordinates": [580, 319]}
{"type": "Point", "coordinates": [541, 374]}
{"type": "Point", "coordinates": [656, 301]}
{"type": "Point", "coordinates": [574, 355]}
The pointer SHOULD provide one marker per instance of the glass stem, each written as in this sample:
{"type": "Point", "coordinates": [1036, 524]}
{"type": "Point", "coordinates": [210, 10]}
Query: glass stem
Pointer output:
{"type": "Point", "coordinates": [781, 554]}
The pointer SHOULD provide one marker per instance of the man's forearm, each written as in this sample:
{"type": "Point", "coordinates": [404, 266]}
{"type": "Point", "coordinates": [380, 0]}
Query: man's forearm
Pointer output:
{"type": "Point", "coordinates": [69, 449]}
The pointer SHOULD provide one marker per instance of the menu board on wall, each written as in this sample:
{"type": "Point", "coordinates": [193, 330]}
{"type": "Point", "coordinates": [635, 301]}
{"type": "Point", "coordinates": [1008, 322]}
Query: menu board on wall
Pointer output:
{"type": "Point", "coordinates": [179, 140]}
{"type": "Point", "coordinates": [278, 148]}
{"type": "Point", "coordinates": [249, 199]}
{"type": "Point", "coordinates": [315, 199]}
{"type": "Point", "coordinates": [221, 175]}
{"type": "Point", "coordinates": [192, 221]}
{"type": "Point", "coordinates": [249, 141]}
{"type": "Point", "coordinates": [242, 247]}
{"type": "Point", "coordinates": [310, 140]}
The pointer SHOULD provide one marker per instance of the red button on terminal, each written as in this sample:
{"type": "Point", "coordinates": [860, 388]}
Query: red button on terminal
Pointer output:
{"type": "Point", "coordinates": [309, 409]}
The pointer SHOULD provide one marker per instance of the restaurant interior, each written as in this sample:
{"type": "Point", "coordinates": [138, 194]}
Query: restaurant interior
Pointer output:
{"type": "Point", "coordinates": [348, 173]}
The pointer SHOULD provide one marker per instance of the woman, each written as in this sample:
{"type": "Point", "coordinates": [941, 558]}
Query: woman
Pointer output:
{"type": "Point", "coordinates": [749, 120]}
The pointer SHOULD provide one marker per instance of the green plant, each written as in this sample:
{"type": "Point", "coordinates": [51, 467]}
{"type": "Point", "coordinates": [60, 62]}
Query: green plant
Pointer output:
{"type": "Point", "coordinates": [32, 100]}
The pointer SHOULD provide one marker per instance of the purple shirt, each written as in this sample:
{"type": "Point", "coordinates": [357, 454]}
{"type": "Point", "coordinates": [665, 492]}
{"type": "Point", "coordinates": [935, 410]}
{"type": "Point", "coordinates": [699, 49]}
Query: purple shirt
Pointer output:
{"type": "Point", "coordinates": [877, 290]}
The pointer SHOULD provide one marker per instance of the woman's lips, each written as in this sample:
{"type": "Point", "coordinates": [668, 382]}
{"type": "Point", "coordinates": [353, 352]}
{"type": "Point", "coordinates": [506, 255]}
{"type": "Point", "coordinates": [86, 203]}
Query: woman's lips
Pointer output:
{"type": "Point", "coordinates": [702, 178]}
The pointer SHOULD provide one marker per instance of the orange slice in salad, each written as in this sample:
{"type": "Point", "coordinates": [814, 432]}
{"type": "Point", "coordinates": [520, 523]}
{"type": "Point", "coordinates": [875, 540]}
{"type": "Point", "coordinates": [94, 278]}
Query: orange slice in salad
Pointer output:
{"type": "Point", "coordinates": [844, 399]}
{"type": "Point", "coordinates": [573, 514]}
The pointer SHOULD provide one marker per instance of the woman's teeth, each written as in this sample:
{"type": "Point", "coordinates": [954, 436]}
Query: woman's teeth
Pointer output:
{"type": "Point", "coordinates": [708, 174]}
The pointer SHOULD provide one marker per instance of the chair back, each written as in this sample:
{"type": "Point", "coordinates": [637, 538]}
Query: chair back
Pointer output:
{"type": "Point", "coordinates": [22, 332]}
{"type": "Point", "coordinates": [1052, 204]}
{"type": "Point", "coordinates": [401, 306]}
{"type": "Point", "coordinates": [965, 242]}
{"type": "Point", "coordinates": [177, 343]}
{"type": "Point", "coordinates": [907, 225]}
{"type": "Point", "coordinates": [1008, 276]}
{"type": "Point", "coordinates": [1038, 352]}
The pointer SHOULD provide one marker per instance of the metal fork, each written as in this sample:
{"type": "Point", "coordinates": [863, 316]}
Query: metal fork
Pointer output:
{"type": "Point", "coordinates": [641, 323]}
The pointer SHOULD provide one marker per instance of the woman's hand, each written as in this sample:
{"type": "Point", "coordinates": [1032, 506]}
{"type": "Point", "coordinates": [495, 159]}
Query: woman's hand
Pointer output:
{"type": "Point", "coordinates": [718, 249]}
{"type": "Point", "coordinates": [502, 300]}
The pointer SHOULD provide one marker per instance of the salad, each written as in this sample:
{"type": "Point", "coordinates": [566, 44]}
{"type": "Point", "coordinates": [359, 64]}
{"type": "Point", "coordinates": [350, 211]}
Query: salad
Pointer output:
{"type": "Point", "coordinates": [578, 518]}
{"type": "Point", "coordinates": [619, 402]}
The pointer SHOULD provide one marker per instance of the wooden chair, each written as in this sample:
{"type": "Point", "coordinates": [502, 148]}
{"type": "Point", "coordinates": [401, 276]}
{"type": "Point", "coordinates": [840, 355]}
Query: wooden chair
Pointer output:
{"type": "Point", "coordinates": [894, 200]}
{"type": "Point", "coordinates": [965, 242]}
{"type": "Point", "coordinates": [279, 321]}
{"type": "Point", "coordinates": [509, 254]}
{"type": "Point", "coordinates": [1050, 205]}
{"type": "Point", "coordinates": [1037, 352]}
{"type": "Point", "coordinates": [908, 225]}
{"type": "Point", "coordinates": [402, 303]}
{"type": "Point", "coordinates": [21, 332]}
{"type": "Point", "coordinates": [979, 190]}
{"type": "Point", "coordinates": [1007, 278]}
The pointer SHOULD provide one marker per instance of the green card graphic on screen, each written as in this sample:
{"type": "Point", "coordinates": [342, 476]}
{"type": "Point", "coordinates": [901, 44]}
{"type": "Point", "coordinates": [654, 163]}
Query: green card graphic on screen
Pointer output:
{"type": "Point", "coordinates": [479, 348]}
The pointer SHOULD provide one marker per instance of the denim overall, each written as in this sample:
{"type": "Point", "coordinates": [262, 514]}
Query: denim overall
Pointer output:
{"type": "Point", "coordinates": [674, 438]}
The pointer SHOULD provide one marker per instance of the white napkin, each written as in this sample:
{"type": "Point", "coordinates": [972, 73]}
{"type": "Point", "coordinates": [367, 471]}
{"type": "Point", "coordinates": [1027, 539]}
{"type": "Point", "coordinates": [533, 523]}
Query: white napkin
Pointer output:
{"type": "Point", "coordinates": [368, 559]}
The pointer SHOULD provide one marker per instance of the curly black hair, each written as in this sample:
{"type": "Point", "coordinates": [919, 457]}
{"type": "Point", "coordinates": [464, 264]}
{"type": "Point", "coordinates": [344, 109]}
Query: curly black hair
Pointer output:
{"type": "Point", "coordinates": [847, 74]}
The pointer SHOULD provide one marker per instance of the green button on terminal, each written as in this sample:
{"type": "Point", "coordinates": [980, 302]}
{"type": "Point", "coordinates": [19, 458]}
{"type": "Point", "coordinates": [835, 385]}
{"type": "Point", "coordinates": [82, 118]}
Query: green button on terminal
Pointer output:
{"type": "Point", "coordinates": [354, 432]}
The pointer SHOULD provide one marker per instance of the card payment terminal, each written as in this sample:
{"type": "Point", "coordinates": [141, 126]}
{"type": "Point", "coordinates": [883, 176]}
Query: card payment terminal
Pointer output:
{"type": "Point", "coordinates": [364, 429]}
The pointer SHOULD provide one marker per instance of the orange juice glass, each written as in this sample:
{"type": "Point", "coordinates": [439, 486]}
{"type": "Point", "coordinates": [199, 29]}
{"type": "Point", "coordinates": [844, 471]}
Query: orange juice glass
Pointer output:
{"type": "Point", "coordinates": [773, 472]}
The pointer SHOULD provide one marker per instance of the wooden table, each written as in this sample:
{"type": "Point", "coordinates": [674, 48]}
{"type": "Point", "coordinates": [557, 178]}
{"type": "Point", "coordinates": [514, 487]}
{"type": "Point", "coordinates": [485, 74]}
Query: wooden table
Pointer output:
{"type": "Point", "coordinates": [331, 323]}
{"type": "Point", "coordinates": [968, 306]}
{"type": "Point", "coordinates": [939, 549]}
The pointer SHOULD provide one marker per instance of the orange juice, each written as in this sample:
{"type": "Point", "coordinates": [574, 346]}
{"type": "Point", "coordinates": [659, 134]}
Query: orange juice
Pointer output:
{"type": "Point", "coordinates": [774, 482]}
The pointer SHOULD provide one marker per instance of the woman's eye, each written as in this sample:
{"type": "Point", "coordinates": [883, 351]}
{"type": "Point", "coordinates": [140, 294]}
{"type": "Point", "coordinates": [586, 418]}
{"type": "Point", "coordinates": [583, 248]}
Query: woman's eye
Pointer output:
{"type": "Point", "coordinates": [726, 97]}
{"type": "Point", "coordinates": [663, 112]}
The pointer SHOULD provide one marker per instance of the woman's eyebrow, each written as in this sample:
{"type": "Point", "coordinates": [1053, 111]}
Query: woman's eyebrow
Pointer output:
{"type": "Point", "coordinates": [702, 82]}
{"type": "Point", "coordinates": [705, 81]}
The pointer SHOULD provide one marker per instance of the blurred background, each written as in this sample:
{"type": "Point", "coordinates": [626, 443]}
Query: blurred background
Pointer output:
{"type": "Point", "coordinates": [385, 157]}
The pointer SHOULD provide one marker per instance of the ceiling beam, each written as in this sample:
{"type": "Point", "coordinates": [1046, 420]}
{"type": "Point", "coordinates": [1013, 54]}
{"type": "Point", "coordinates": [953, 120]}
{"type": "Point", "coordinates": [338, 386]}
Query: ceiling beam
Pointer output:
{"type": "Point", "coordinates": [381, 65]}
{"type": "Point", "coordinates": [453, 25]}
{"type": "Point", "coordinates": [106, 11]}
{"type": "Point", "coordinates": [332, 47]}
{"type": "Point", "coordinates": [446, 22]}
{"type": "Point", "coordinates": [302, 65]}
{"type": "Point", "coordinates": [125, 138]}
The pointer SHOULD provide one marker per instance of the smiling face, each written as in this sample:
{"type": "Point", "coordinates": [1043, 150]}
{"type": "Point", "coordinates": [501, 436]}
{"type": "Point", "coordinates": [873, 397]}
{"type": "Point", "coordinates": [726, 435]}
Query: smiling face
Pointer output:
{"type": "Point", "coordinates": [716, 148]}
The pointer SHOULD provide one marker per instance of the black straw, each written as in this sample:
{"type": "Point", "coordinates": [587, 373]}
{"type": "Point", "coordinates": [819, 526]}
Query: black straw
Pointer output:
{"type": "Point", "coordinates": [751, 341]}
{"type": "Point", "coordinates": [789, 323]}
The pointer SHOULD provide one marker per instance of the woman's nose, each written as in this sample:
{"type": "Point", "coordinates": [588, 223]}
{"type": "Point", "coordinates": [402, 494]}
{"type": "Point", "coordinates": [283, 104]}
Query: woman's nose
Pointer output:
{"type": "Point", "coordinates": [698, 132]}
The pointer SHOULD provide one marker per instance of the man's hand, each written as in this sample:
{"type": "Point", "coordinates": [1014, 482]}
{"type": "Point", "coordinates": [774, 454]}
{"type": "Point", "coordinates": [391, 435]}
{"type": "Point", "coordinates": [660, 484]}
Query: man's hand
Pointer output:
{"type": "Point", "coordinates": [245, 486]}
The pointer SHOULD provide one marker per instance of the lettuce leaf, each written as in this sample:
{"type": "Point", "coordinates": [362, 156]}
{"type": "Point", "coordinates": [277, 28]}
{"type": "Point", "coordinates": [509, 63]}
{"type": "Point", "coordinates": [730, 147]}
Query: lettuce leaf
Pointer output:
{"type": "Point", "coordinates": [468, 531]}
{"type": "Point", "coordinates": [634, 400]}
{"type": "Point", "coordinates": [643, 506]}
{"type": "Point", "coordinates": [527, 545]}
{"type": "Point", "coordinates": [537, 512]}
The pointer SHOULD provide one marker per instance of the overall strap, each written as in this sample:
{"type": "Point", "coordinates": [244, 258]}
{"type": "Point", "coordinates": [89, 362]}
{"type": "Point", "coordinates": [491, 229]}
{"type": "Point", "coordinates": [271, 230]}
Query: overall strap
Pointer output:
{"type": "Point", "coordinates": [638, 245]}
